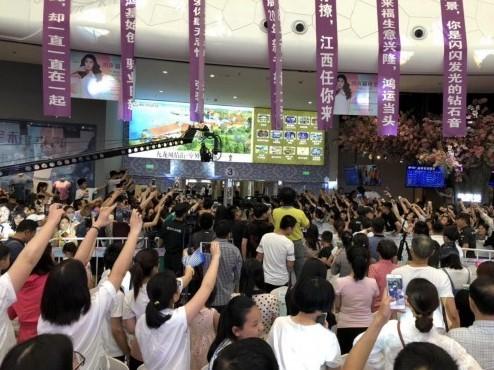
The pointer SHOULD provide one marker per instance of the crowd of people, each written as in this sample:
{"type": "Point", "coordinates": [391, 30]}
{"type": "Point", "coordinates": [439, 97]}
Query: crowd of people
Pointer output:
{"type": "Point", "coordinates": [296, 281]}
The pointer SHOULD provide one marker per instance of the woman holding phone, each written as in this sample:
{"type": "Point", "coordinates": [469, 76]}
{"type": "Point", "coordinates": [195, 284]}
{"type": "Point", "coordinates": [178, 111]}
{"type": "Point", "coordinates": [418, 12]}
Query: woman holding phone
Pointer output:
{"type": "Point", "coordinates": [416, 325]}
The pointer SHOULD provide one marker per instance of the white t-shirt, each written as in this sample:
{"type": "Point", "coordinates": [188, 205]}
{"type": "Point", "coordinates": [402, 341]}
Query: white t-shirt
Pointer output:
{"type": "Point", "coordinates": [135, 308]}
{"type": "Point", "coordinates": [7, 298]}
{"type": "Point", "coordinates": [87, 332]}
{"type": "Point", "coordinates": [167, 347]}
{"type": "Point", "coordinates": [303, 347]}
{"type": "Point", "coordinates": [436, 277]}
{"type": "Point", "coordinates": [277, 250]}
{"type": "Point", "coordinates": [111, 347]}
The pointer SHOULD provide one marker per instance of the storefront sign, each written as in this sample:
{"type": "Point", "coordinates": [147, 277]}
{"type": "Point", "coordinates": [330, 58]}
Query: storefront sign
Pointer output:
{"type": "Point", "coordinates": [388, 79]}
{"type": "Point", "coordinates": [56, 58]}
{"type": "Point", "coordinates": [127, 43]}
{"type": "Point", "coordinates": [272, 13]}
{"type": "Point", "coordinates": [327, 61]}
{"type": "Point", "coordinates": [455, 67]}
{"type": "Point", "coordinates": [197, 54]}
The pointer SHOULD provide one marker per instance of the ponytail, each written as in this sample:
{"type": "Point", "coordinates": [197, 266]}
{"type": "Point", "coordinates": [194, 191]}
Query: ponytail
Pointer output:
{"type": "Point", "coordinates": [424, 300]}
{"type": "Point", "coordinates": [144, 263]}
{"type": "Point", "coordinates": [424, 323]}
{"type": "Point", "coordinates": [359, 258]}
{"type": "Point", "coordinates": [154, 318]}
{"type": "Point", "coordinates": [161, 289]}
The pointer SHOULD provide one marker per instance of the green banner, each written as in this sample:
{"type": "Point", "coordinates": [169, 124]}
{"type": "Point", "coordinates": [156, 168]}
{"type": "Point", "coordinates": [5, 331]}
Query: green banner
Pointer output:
{"type": "Point", "coordinates": [298, 143]}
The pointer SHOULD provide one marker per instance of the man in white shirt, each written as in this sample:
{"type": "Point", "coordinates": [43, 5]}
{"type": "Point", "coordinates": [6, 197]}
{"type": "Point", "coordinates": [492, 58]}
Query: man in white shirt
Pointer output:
{"type": "Point", "coordinates": [422, 249]}
{"type": "Point", "coordinates": [477, 339]}
{"type": "Point", "coordinates": [277, 254]}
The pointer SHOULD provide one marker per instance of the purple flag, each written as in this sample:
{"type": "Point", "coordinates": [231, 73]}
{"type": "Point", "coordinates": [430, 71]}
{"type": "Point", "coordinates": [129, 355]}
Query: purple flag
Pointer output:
{"type": "Point", "coordinates": [197, 54]}
{"type": "Point", "coordinates": [127, 42]}
{"type": "Point", "coordinates": [327, 61]}
{"type": "Point", "coordinates": [455, 65]}
{"type": "Point", "coordinates": [56, 58]}
{"type": "Point", "coordinates": [388, 77]}
{"type": "Point", "coordinates": [272, 13]}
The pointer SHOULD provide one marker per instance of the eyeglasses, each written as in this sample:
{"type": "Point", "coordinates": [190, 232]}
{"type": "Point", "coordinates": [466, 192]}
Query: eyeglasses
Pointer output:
{"type": "Point", "coordinates": [78, 360]}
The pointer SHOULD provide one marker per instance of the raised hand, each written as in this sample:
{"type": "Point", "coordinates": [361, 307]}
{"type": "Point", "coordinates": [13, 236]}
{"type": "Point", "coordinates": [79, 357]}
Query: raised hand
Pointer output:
{"type": "Point", "coordinates": [135, 221]}
{"type": "Point", "coordinates": [104, 218]}
{"type": "Point", "coordinates": [55, 212]}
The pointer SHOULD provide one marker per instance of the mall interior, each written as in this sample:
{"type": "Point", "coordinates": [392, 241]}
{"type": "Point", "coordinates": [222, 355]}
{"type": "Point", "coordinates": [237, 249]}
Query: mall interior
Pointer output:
{"type": "Point", "coordinates": [239, 148]}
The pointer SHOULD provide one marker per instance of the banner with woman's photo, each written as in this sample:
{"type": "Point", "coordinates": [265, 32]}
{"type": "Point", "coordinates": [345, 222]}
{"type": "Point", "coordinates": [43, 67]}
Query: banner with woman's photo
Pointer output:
{"type": "Point", "coordinates": [355, 95]}
{"type": "Point", "coordinates": [95, 76]}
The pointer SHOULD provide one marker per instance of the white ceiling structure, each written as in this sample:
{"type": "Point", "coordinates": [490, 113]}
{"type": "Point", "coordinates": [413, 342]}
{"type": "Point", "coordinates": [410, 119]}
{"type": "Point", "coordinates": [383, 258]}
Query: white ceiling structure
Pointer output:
{"type": "Point", "coordinates": [235, 38]}
{"type": "Point", "coordinates": [235, 35]}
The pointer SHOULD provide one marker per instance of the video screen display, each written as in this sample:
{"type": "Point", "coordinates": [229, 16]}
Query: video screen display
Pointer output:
{"type": "Point", "coordinates": [154, 120]}
{"type": "Point", "coordinates": [298, 143]}
{"type": "Point", "coordinates": [424, 177]}
{"type": "Point", "coordinates": [363, 175]}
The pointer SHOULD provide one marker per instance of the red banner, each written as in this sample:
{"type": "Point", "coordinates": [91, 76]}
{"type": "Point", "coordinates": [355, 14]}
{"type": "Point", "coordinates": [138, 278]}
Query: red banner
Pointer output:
{"type": "Point", "coordinates": [56, 58]}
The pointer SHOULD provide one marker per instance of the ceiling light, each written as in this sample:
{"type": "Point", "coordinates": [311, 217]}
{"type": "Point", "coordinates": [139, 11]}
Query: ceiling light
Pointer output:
{"type": "Point", "coordinates": [161, 91]}
{"type": "Point", "coordinates": [212, 75]}
{"type": "Point", "coordinates": [309, 102]}
{"type": "Point", "coordinates": [165, 72]}
{"type": "Point", "coordinates": [235, 97]}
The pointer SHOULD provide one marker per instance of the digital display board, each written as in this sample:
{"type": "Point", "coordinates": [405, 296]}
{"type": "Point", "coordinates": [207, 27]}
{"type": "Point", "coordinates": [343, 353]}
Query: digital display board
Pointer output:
{"type": "Point", "coordinates": [424, 177]}
{"type": "Point", "coordinates": [298, 143]}
{"type": "Point", "coordinates": [155, 120]}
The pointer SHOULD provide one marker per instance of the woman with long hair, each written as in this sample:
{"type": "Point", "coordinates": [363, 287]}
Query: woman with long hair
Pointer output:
{"type": "Point", "coordinates": [67, 307]}
{"type": "Point", "coordinates": [343, 95]}
{"type": "Point", "coordinates": [163, 333]}
{"type": "Point", "coordinates": [146, 263]}
{"type": "Point", "coordinates": [355, 298]}
{"type": "Point", "coordinates": [416, 325]}
{"type": "Point", "coordinates": [27, 307]}
{"type": "Point", "coordinates": [13, 280]}
{"type": "Point", "coordinates": [240, 319]}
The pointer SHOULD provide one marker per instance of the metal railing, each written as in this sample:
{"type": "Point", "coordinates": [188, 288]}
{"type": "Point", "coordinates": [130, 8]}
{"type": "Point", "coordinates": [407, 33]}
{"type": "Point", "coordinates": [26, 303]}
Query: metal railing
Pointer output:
{"type": "Point", "coordinates": [99, 250]}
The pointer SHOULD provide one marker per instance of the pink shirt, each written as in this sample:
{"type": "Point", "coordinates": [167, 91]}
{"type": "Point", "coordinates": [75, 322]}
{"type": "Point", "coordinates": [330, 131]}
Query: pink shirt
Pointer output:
{"type": "Point", "coordinates": [357, 298]}
{"type": "Point", "coordinates": [27, 307]}
{"type": "Point", "coordinates": [379, 271]}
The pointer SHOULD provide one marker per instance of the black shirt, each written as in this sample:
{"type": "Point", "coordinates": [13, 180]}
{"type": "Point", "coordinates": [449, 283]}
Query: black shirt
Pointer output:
{"type": "Point", "coordinates": [238, 232]}
{"type": "Point", "coordinates": [201, 237]}
{"type": "Point", "coordinates": [175, 235]}
{"type": "Point", "coordinates": [253, 233]}
{"type": "Point", "coordinates": [390, 221]}
{"type": "Point", "coordinates": [467, 236]}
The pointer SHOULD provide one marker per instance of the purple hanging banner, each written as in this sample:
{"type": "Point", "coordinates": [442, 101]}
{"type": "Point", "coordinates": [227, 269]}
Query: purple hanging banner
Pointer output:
{"type": "Point", "coordinates": [56, 58]}
{"type": "Point", "coordinates": [455, 65]}
{"type": "Point", "coordinates": [127, 42]}
{"type": "Point", "coordinates": [197, 54]}
{"type": "Point", "coordinates": [327, 61]}
{"type": "Point", "coordinates": [388, 76]}
{"type": "Point", "coordinates": [272, 13]}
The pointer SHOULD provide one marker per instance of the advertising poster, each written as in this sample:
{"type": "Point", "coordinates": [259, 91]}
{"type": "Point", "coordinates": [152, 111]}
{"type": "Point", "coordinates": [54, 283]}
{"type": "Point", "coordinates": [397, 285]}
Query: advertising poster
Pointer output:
{"type": "Point", "coordinates": [33, 141]}
{"type": "Point", "coordinates": [299, 142]}
{"type": "Point", "coordinates": [156, 120]}
{"type": "Point", "coordinates": [355, 95]}
{"type": "Point", "coordinates": [95, 76]}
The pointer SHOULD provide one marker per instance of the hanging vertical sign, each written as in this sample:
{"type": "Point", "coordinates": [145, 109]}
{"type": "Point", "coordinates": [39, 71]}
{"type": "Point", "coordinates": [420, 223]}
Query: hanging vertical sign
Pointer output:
{"type": "Point", "coordinates": [272, 13]}
{"type": "Point", "coordinates": [56, 58]}
{"type": "Point", "coordinates": [327, 61]}
{"type": "Point", "coordinates": [127, 42]}
{"type": "Point", "coordinates": [388, 78]}
{"type": "Point", "coordinates": [455, 65]}
{"type": "Point", "coordinates": [197, 54]}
